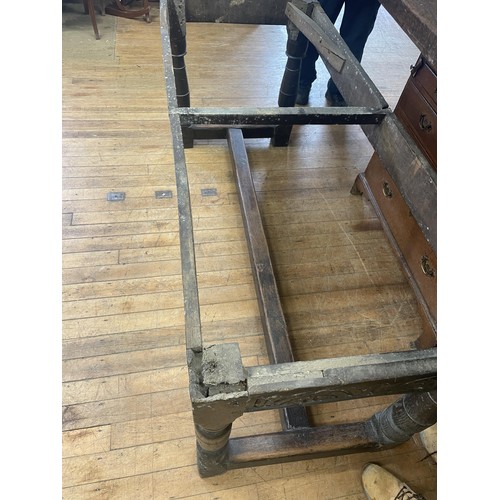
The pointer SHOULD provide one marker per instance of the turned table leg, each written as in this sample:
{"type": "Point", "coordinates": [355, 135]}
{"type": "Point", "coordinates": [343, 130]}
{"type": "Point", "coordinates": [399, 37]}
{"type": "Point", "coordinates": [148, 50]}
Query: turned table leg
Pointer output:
{"type": "Point", "coordinates": [410, 414]}
{"type": "Point", "coordinates": [295, 50]}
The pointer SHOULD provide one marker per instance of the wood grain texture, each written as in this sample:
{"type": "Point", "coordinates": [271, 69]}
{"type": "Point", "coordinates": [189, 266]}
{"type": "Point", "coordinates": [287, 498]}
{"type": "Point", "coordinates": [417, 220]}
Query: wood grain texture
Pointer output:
{"type": "Point", "coordinates": [127, 425]}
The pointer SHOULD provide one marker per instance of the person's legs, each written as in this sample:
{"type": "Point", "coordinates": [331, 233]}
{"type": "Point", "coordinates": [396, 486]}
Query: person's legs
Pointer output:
{"type": "Point", "coordinates": [357, 24]}
{"type": "Point", "coordinates": [307, 76]}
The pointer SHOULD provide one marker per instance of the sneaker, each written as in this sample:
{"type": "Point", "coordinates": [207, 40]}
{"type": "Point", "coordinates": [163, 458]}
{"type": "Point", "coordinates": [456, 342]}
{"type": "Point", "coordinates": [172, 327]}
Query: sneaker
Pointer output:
{"type": "Point", "coordinates": [429, 440]}
{"type": "Point", "coordinates": [380, 484]}
{"type": "Point", "coordinates": [303, 95]}
{"type": "Point", "coordinates": [334, 99]}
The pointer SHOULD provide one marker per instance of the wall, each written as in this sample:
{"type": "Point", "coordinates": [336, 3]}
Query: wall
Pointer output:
{"type": "Point", "coordinates": [237, 11]}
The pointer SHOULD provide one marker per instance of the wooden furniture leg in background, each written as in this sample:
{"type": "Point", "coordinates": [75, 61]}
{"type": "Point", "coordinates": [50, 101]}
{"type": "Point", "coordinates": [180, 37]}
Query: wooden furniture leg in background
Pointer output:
{"type": "Point", "coordinates": [118, 9]}
{"type": "Point", "coordinates": [178, 48]}
{"type": "Point", "coordinates": [295, 50]}
{"type": "Point", "coordinates": [89, 8]}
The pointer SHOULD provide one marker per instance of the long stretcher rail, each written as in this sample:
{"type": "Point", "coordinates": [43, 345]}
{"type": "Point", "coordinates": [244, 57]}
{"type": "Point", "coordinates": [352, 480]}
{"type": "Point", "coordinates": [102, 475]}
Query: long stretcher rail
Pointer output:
{"type": "Point", "coordinates": [221, 388]}
{"type": "Point", "coordinates": [189, 278]}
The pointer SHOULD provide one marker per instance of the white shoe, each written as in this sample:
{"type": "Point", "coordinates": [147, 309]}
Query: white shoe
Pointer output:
{"type": "Point", "coordinates": [380, 484]}
{"type": "Point", "coordinates": [429, 440]}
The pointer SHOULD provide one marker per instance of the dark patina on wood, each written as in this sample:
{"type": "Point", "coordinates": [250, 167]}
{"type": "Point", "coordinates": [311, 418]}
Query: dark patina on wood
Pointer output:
{"type": "Point", "coordinates": [221, 388]}
{"type": "Point", "coordinates": [227, 117]}
{"type": "Point", "coordinates": [418, 19]}
{"type": "Point", "coordinates": [400, 154]}
{"type": "Point", "coordinates": [407, 416]}
{"type": "Point", "coordinates": [236, 11]}
{"type": "Point", "coordinates": [273, 320]}
{"type": "Point", "coordinates": [189, 279]}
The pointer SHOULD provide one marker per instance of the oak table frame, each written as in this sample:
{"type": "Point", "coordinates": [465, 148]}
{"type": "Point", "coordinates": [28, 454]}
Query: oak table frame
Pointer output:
{"type": "Point", "coordinates": [221, 388]}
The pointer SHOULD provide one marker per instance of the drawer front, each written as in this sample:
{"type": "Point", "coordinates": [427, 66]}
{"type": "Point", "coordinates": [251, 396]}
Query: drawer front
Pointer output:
{"type": "Point", "coordinates": [420, 120]}
{"type": "Point", "coordinates": [425, 80]}
{"type": "Point", "coordinates": [418, 254]}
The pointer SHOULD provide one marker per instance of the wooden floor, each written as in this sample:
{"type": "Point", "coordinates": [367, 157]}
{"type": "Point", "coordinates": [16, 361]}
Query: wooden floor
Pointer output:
{"type": "Point", "coordinates": [127, 428]}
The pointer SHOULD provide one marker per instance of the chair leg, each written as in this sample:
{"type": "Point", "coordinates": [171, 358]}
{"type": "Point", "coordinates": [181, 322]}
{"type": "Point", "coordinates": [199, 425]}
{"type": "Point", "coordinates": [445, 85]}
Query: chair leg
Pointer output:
{"type": "Point", "coordinates": [89, 8]}
{"type": "Point", "coordinates": [117, 8]}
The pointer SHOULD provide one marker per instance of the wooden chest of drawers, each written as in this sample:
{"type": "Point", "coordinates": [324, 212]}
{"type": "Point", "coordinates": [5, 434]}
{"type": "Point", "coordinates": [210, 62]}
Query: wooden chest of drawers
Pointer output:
{"type": "Point", "coordinates": [417, 111]}
{"type": "Point", "coordinates": [417, 253]}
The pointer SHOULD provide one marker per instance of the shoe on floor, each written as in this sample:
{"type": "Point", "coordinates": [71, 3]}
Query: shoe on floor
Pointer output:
{"type": "Point", "coordinates": [303, 95]}
{"type": "Point", "coordinates": [380, 484]}
{"type": "Point", "coordinates": [429, 440]}
{"type": "Point", "coordinates": [334, 99]}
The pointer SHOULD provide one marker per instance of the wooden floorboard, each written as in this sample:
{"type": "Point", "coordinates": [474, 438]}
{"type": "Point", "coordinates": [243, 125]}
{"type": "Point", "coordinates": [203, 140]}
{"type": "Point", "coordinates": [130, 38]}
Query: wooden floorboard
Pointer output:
{"type": "Point", "coordinates": [127, 429]}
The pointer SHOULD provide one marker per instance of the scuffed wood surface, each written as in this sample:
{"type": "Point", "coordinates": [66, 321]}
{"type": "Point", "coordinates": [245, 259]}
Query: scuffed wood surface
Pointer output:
{"type": "Point", "coordinates": [236, 11]}
{"type": "Point", "coordinates": [418, 19]}
{"type": "Point", "coordinates": [128, 424]}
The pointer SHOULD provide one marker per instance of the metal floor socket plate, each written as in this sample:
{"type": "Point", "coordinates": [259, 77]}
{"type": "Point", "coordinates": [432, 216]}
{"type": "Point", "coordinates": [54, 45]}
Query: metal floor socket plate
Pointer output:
{"type": "Point", "coordinates": [116, 196]}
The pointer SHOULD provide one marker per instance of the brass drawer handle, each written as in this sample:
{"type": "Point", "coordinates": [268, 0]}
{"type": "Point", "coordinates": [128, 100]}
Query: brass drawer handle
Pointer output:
{"type": "Point", "coordinates": [386, 190]}
{"type": "Point", "coordinates": [424, 123]}
{"type": "Point", "coordinates": [427, 269]}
